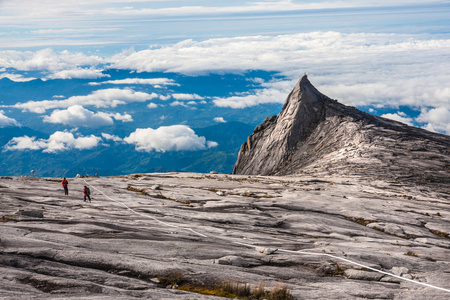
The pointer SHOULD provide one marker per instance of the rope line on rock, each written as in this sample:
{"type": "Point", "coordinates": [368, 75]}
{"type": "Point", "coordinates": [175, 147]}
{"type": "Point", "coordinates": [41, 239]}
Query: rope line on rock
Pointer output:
{"type": "Point", "coordinates": [354, 263]}
{"type": "Point", "coordinates": [143, 215]}
{"type": "Point", "coordinates": [281, 250]}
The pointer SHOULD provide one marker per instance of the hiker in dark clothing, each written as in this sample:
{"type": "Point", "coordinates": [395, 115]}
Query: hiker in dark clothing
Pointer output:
{"type": "Point", "coordinates": [87, 193]}
{"type": "Point", "coordinates": [65, 183]}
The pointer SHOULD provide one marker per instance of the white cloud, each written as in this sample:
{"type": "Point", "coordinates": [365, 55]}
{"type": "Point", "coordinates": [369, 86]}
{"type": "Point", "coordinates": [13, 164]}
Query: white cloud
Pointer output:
{"type": "Point", "coordinates": [276, 93]}
{"type": "Point", "coordinates": [124, 118]}
{"type": "Point", "coordinates": [111, 137]}
{"type": "Point", "coordinates": [211, 144]}
{"type": "Point", "coordinates": [187, 97]}
{"type": "Point", "coordinates": [86, 142]}
{"type": "Point", "coordinates": [6, 121]}
{"type": "Point", "coordinates": [219, 120]}
{"type": "Point", "coordinates": [150, 81]}
{"type": "Point", "coordinates": [86, 73]}
{"type": "Point", "coordinates": [436, 119]}
{"type": "Point", "coordinates": [61, 64]}
{"type": "Point", "coordinates": [397, 117]}
{"type": "Point", "coordinates": [164, 98]}
{"type": "Point", "coordinates": [77, 115]}
{"type": "Point", "coordinates": [358, 69]}
{"type": "Point", "coordinates": [256, 80]}
{"type": "Point", "coordinates": [99, 98]}
{"type": "Point", "coordinates": [57, 142]}
{"type": "Point", "coordinates": [168, 138]}
{"type": "Point", "coordinates": [16, 77]}
{"type": "Point", "coordinates": [178, 103]}
{"type": "Point", "coordinates": [152, 105]}
{"type": "Point", "coordinates": [25, 143]}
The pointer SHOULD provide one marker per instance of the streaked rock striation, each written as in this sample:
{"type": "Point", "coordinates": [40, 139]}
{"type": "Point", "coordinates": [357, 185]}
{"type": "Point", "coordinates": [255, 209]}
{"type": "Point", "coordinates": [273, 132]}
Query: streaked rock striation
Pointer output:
{"type": "Point", "coordinates": [314, 134]}
{"type": "Point", "coordinates": [131, 237]}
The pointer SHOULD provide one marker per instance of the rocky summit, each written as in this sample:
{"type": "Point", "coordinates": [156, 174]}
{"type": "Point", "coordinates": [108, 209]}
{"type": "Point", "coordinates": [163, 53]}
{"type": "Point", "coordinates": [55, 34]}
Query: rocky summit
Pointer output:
{"type": "Point", "coordinates": [314, 134]}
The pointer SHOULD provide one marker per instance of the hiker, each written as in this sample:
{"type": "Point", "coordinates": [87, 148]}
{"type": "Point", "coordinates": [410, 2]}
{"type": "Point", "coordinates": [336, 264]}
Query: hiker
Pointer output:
{"type": "Point", "coordinates": [65, 183]}
{"type": "Point", "coordinates": [87, 193]}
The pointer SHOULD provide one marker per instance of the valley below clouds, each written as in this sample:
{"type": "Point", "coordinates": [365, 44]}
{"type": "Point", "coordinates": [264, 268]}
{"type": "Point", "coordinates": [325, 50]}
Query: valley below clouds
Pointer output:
{"type": "Point", "coordinates": [142, 97]}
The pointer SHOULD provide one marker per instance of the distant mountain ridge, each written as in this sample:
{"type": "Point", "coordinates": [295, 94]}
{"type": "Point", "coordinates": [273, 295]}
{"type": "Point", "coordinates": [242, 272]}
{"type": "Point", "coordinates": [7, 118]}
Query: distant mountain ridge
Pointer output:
{"type": "Point", "coordinates": [314, 134]}
{"type": "Point", "coordinates": [123, 158]}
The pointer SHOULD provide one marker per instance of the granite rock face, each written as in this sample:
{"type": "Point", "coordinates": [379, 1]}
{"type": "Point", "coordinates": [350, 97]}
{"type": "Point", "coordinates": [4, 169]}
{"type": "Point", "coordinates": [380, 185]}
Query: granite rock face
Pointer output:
{"type": "Point", "coordinates": [314, 134]}
{"type": "Point", "coordinates": [293, 230]}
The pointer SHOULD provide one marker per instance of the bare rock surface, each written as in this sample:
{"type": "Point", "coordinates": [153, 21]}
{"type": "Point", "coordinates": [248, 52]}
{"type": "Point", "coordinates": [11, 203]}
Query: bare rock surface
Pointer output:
{"type": "Point", "coordinates": [261, 230]}
{"type": "Point", "coordinates": [314, 134]}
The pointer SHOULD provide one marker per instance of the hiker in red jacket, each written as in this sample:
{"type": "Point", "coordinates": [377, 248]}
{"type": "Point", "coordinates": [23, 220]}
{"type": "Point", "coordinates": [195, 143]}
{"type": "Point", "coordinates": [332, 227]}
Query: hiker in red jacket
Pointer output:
{"type": "Point", "coordinates": [87, 193]}
{"type": "Point", "coordinates": [65, 183]}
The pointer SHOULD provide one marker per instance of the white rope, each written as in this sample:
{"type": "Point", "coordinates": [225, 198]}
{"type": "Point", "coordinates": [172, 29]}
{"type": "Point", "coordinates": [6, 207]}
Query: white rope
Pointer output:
{"type": "Point", "coordinates": [143, 215]}
{"type": "Point", "coordinates": [354, 263]}
{"type": "Point", "coordinates": [281, 250]}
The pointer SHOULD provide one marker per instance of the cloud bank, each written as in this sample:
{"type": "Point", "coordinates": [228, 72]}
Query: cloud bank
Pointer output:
{"type": "Point", "coordinates": [156, 82]}
{"type": "Point", "coordinates": [57, 142]}
{"type": "Point", "coordinates": [86, 73]}
{"type": "Point", "coordinates": [6, 121]}
{"type": "Point", "coordinates": [77, 115]}
{"type": "Point", "coordinates": [16, 77]}
{"type": "Point", "coordinates": [358, 69]}
{"type": "Point", "coordinates": [400, 117]}
{"type": "Point", "coordinates": [436, 119]}
{"type": "Point", "coordinates": [61, 65]}
{"type": "Point", "coordinates": [99, 98]}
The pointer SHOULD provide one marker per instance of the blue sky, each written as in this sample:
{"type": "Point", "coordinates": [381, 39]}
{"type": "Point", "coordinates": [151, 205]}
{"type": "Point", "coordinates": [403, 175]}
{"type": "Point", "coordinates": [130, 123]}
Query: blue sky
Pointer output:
{"type": "Point", "coordinates": [391, 58]}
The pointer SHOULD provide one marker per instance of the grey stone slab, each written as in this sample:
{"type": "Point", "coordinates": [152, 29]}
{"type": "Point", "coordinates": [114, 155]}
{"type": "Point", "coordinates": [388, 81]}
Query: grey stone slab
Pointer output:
{"type": "Point", "coordinates": [104, 249]}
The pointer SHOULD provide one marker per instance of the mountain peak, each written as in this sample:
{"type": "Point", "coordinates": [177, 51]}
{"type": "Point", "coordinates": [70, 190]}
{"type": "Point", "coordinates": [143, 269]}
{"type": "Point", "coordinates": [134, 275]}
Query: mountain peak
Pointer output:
{"type": "Point", "coordinates": [314, 133]}
{"type": "Point", "coordinates": [304, 81]}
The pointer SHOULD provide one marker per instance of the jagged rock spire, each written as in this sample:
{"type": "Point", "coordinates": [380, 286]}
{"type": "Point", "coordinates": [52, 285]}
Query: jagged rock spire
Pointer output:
{"type": "Point", "coordinates": [314, 133]}
{"type": "Point", "coordinates": [272, 142]}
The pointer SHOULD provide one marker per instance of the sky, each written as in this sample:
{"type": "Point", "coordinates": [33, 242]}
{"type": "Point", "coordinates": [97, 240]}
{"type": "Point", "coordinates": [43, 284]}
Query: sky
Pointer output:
{"type": "Point", "coordinates": [391, 58]}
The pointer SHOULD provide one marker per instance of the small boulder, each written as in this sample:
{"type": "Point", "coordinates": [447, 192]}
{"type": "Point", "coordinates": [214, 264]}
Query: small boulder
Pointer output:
{"type": "Point", "coordinates": [230, 260]}
{"type": "Point", "coordinates": [220, 193]}
{"type": "Point", "coordinates": [79, 176]}
{"type": "Point", "coordinates": [156, 187]}
{"type": "Point", "coordinates": [399, 271]}
{"type": "Point", "coordinates": [362, 275]}
{"type": "Point", "coordinates": [213, 172]}
{"type": "Point", "coordinates": [390, 279]}
{"type": "Point", "coordinates": [266, 250]}
{"type": "Point", "coordinates": [155, 280]}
